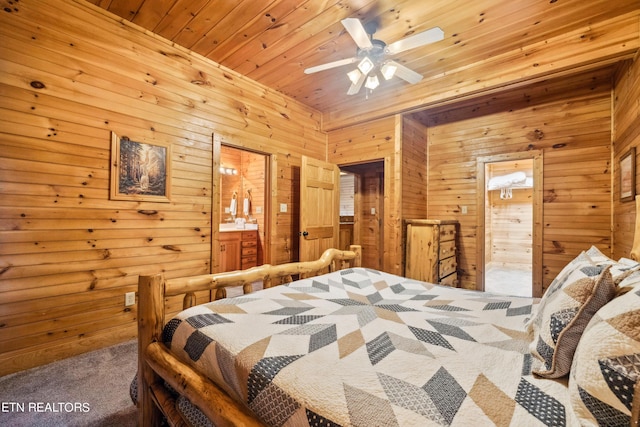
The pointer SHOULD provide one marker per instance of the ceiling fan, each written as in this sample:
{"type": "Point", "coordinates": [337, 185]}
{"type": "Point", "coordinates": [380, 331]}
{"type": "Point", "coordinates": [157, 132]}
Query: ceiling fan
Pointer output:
{"type": "Point", "coordinates": [371, 56]}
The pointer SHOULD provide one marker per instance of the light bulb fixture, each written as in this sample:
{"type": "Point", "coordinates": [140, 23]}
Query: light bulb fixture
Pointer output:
{"type": "Point", "coordinates": [366, 65]}
{"type": "Point", "coordinates": [228, 171]}
{"type": "Point", "coordinates": [388, 70]}
{"type": "Point", "coordinates": [372, 82]}
{"type": "Point", "coordinates": [354, 75]}
{"type": "Point", "coordinates": [355, 86]}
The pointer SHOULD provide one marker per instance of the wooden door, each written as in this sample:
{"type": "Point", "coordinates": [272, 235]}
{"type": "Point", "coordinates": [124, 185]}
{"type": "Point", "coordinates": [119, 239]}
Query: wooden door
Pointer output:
{"type": "Point", "coordinates": [319, 207]}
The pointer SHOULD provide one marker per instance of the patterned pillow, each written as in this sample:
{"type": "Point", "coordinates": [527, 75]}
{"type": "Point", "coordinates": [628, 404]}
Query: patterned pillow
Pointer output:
{"type": "Point", "coordinates": [606, 366]}
{"type": "Point", "coordinates": [619, 269]}
{"type": "Point", "coordinates": [579, 264]}
{"type": "Point", "coordinates": [565, 315]}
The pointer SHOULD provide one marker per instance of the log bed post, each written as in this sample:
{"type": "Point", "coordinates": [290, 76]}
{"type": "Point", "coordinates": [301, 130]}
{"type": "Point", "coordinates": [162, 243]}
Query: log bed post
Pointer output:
{"type": "Point", "coordinates": [150, 323]}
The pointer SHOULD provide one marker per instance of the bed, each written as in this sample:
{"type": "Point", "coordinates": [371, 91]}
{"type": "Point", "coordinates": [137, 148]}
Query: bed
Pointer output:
{"type": "Point", "coordinates": [346, 345]}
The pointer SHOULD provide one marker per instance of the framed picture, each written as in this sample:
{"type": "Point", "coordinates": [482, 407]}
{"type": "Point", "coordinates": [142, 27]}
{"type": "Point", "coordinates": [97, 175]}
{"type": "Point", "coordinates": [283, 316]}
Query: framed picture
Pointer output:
{"type": "Point", "coordinates": [628, 176]}
{"type": "Point", "coordinates": [140, 171]}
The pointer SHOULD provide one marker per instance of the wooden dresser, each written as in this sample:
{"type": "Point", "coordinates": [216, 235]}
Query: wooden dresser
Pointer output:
{"type": "Point", "coordinates": [431, 253]}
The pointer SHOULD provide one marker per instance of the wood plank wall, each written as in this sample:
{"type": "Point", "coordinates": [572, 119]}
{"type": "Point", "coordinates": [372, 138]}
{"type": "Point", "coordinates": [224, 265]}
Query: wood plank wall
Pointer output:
{"type": "Point", "coordinates": [569, 119]}
{"type": "Point", "coordinates": [68, 254]}
{"type": "Point", "coordinates": [414, 169]}
{"type": "Point", "coordinates": [254, 173]}
{"type": "Point", "coordinates": [230, 184]}
{"type": "Point", "coordinates": [626, 134]}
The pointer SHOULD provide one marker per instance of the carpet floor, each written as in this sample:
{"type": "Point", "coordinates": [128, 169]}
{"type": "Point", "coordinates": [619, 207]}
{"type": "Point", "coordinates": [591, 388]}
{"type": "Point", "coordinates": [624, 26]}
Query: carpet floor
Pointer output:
{"type": "Point", "coordinates": [91, 389]}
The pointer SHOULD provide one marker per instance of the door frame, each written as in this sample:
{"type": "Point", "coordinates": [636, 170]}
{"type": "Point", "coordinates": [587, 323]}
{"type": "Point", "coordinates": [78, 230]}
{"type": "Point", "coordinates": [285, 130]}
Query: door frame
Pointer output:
{"type": "Point", "coordinates": [383, 205]}
{"type": "Point", "coordinates": [537, 241]}
{"type": "Point", "coordinates": [216, 214]}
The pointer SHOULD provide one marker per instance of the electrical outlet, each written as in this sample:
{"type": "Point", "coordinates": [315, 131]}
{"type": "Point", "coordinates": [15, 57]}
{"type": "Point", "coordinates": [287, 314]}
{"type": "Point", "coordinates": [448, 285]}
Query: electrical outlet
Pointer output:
{"type": "Point", "coordinates": [129, 298]}
{"type": "Point", "coordinates": [283, 207]}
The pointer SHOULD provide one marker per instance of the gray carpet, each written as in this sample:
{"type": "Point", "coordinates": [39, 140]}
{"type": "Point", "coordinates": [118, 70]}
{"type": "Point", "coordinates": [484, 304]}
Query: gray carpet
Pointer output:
{"type": "Point", "coordinates": [87, 390]}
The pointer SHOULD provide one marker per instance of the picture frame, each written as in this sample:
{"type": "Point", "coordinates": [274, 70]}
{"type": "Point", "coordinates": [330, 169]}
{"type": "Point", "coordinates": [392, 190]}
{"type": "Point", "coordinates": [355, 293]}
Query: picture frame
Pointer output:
{"type": "Point", "coordinates": [140, 171]}
{"type": "Point", "coordinates": [628, 176]}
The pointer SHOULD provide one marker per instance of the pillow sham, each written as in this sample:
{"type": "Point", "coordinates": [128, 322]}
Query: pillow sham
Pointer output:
{"type": "Point", "coordinates": [619, 269]}
{"type": "Point", "coordinates": [606, 365]}
{"type": "Point", "coordinates": [564, 316]}
{"type": "Point", "coordinates": [579, 262]}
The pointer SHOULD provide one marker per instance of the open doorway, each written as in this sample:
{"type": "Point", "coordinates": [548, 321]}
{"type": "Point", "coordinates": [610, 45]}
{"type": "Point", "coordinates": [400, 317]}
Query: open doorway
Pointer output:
{"type": "Point", "coordinates": [509, 227]}
{"type": "Point", "coordinates": [509, 239]}
{"type": "Point", "coordinates": [243, 198]}
{"type": "Point", "coordinates": [363, 187]}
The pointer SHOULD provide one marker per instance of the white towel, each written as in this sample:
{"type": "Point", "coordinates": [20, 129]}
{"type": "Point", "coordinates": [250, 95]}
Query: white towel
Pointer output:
{"type": "Point", "coordinates": [245, 207]}
{"type": "Point", "coordinates": [505, 181]}
{"type": "Point", "coordinates": [233, 208]}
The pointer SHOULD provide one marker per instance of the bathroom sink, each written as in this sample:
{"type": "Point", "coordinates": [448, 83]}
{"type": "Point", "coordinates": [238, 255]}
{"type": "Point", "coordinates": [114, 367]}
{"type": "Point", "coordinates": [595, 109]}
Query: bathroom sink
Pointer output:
{"type": "Point", "coordinates": [231, 226]}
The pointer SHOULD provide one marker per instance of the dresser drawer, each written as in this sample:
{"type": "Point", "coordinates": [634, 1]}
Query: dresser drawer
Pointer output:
{"type": "Point", "coordinates": [248, 262]}
{"type": "Point", "coordinates": [447, 249]}
{"type": "Point", "coordinates": [249, 244]}
{"type": "Point", "coordinates": [447, 266]}
{"type": "Point", "coordinates": [249, 251]}
{"type": "Point", "coordinates": [450, 280]}
{"type": "Point", "coordinates": [447, 232]}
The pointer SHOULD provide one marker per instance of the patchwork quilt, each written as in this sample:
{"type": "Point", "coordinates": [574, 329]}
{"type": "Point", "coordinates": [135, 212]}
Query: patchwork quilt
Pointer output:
{"type": "Point", "coordinates": [360, 347]}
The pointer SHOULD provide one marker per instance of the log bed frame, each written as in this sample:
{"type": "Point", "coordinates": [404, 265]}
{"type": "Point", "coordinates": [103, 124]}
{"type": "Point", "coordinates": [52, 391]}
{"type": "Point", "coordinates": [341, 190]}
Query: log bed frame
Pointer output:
{"type": "Point", "coordinates": [157, 366]}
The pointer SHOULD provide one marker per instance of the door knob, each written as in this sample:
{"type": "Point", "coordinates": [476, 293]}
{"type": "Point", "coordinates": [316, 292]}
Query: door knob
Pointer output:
{"type": "Point", "coordinates": [304, 233]}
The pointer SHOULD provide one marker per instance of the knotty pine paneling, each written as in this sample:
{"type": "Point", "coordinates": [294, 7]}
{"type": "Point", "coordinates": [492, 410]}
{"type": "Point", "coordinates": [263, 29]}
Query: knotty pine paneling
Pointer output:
{"type": "Point", "coordinates": [68, 254]}
{"type": "Point", "coordinates": [626, 130]}
{"type": "Point", "coordinates": [414, 169]}
{"type": "Point", "coordinates": [254, 173]}
{"type": "Point", "coordinates": [574, 135]}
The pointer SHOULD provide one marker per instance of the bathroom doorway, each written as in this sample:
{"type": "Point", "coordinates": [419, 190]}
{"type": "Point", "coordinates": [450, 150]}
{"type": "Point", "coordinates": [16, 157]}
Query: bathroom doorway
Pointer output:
{"type": "Point", "coordinates": [510, 236]}
{"type": "Point", "coordinates": [243, 178]}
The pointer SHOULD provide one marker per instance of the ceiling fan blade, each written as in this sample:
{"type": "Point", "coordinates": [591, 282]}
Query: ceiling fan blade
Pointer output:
{"type": "Point", "coordinates": [329, 65]}
{"type": "Point", "coordinates": [359, 35]}
{"type": "Point", "coordinates": [405, 73]}
{"type": "Point", "coordinates": [355, 87]}
{"type": "Point", "coordinates": [430, 36]}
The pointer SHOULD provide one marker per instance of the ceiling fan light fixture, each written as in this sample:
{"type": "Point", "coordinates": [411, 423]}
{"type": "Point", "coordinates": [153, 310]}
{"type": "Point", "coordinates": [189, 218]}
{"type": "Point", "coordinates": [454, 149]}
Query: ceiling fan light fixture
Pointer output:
{"type": "Point", "coordinates": [354, 75]}
{"type": "Point", "coordinates": [372, 82]}
{"type": "Point", "coordinates": [355, 86]}
{"type": "Point", "coordinates": [388, 70]}
{"type": "Point", "coordinates": [366, 65]}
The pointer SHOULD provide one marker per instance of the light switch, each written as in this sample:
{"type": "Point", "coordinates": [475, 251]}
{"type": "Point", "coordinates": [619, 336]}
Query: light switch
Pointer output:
{"type": "Point", "coordinates": [464, 210]}
{"type": "Point", "coordinates": [283, 207]}
{"type": "Point", "coordinates": [373, 211]}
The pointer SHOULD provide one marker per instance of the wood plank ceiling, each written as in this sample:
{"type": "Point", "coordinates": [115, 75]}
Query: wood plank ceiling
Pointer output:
{"type": "Point", "coordinates": [273, 41]}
